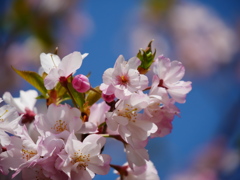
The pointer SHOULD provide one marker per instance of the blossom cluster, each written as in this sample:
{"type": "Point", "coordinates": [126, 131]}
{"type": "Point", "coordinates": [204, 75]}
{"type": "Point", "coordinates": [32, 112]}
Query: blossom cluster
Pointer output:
{"type": "Point", "coordinates": [135, 102]}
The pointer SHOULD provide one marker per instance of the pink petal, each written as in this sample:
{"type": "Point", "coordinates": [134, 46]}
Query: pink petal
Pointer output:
{"type": "Point", "coordinates": [178, 93]}
{"type": "Point", "coordinates": [175, 73]}
{"type": "Point", "coordinates": [133, 63]}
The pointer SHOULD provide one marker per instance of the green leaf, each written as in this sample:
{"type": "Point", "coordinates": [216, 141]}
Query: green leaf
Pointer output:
{"type": "Point", "coordinates": [34, 79]}
{"type": "Point", "coordinates": [93, 96]}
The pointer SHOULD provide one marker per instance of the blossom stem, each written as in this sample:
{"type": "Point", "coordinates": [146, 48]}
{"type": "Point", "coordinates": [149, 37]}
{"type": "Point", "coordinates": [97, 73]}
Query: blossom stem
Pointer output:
{"type": "Point", "coordinates": [70, 94]}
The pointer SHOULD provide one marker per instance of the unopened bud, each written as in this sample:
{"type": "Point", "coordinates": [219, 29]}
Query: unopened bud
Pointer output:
{"type": "Point", "coordinates": [81, 83]}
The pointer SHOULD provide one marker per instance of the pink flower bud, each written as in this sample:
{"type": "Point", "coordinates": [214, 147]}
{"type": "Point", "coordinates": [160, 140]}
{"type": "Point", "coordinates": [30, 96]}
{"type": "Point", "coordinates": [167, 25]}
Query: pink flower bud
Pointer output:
{"type": "Point", "coordinates": [81, 83]}
{"type": "Point", "coordinates": [108, 98]}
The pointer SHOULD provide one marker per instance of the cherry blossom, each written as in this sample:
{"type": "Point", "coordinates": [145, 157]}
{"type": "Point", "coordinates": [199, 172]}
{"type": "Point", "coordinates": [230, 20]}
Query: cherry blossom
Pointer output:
{"type": "Point", "coordinates": [45, 165]}
{"type": "Point", "coordinates": [56, 69]}
{"type": "Point", "coordinates": [169, 75]}
{"type": "Point", "coordinates": [59, 119]}
{"type": "Point", "coordinates": [20, 151]}
{"type": "Point", "coordinates": [127, 121]}
{"type": "Point", "coordinates": [81, 160]}
{"type": "Point", "coordinates": [123, 79]}
{"type": "Point", "coordinates": [160, 110]}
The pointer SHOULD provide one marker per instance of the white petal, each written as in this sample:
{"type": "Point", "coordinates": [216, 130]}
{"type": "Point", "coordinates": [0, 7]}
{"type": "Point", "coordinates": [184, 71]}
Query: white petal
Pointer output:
{"type": "Point", "coordinates": [15, 102]}
{"type": "Point", "coordinates": [107, 76]}
{"type": "Point", "coordinates": [94, 138]}
{"type": "Point", "coordinates": [49, 61]}
{"type": "Point", "coordinates": [71, 63]}
{"type": "Point", "coordinates": [100, 167]}
{"type": "Point", "coordinates": [28, 98]}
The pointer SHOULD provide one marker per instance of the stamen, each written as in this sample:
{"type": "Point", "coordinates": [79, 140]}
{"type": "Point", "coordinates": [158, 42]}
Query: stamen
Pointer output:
{"type": "Point", "coordinates": [53, 60]}
{"type": "Point", "coordinates": [129, 112]}
{"type": "Point", "coordinates": [124, 79]}
{"type": "Point", "coordinates": [60, 126]}
{"type": "Point", "coordinates": [1, 119]}
{"type": "Point", "coordinates": [27, 154]}
{"type": "Point", "coordinates": [80, 158]}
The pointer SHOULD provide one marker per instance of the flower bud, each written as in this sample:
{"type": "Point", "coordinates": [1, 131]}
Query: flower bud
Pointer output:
{"type": "Point", "coordinates": [81, 83]}
{"type": "Point", "coordinates": [108, 98]}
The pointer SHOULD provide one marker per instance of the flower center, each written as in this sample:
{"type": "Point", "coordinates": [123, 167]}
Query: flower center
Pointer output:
{"type": "Point", "coordinates": [161, 84]}
{"type": "Point", "coordinates": [81, 159]}
{"type": "Point", "coordinates": [129, 112]}
{"type": "Point", "coordinates": [123, 80]}
{"type": "Point", "coordinates": [28, 154]}
{"type": "Point", "coordinates": [28, 117]}
{"type": "Point", "coordinates": [60, 126]}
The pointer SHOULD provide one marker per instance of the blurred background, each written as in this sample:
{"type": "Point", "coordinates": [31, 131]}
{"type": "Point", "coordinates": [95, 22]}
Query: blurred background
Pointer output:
{"type": "Point", "coordinates": [203, 34]}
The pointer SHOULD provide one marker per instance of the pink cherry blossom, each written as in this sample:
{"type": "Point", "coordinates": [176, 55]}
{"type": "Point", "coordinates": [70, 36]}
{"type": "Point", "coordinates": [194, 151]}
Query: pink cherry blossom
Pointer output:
{"type": "Point", "coordinates": [160, 110]}
{"type": "Point", "coordinates": [124, 79]}
{"type": "Point", "coordinates": [59, 119]}
{"type": "Point", "coordinates": [81, 160]}
{"type": "Point", "coordinates": [169, 75]}
{"type": "Point", "coordinates": [23, 154]}
{"type": "Point", "coordinates": [56, 69]}
{"type": "Point", "coordinates": [127, 120]}
{"type": "Point", "coordinates": [20, 152]}
{"type": "Point", "coordinates": [45, 166]}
